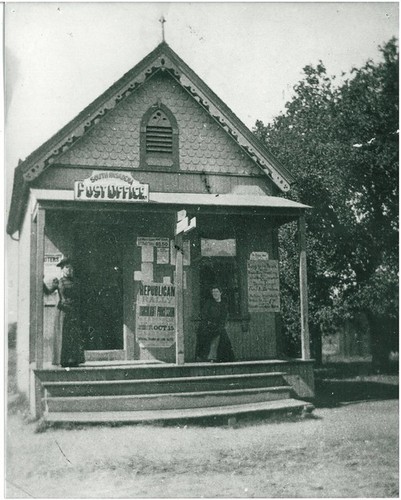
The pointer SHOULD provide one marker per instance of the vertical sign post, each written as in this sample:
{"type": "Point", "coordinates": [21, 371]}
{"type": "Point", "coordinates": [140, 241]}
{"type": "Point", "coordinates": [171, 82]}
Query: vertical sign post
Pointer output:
{"type": "Point", "coordinates": [305, 347]}
{"type": "Point", "coordinates": [182, 227]}
{"type": "Point", "coordinates": [40, 255]}
{"type": "Point", "coordinates": [179, 298]}
{"type": "Point", "coordinates": [38, 318]}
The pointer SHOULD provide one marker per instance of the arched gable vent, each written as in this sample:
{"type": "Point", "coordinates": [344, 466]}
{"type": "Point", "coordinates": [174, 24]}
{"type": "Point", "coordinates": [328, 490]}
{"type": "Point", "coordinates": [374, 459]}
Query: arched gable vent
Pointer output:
{"type": "Point", "coordinates": [159, 139]}
{"type": "Point", "coordinates": [159, 134]}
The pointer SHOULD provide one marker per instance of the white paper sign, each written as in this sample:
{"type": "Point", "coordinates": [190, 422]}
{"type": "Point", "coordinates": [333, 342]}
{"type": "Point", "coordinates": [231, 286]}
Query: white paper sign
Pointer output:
{"type": "Point", "coordinates": [151, 241]}
{"type": "Point", "coordinates": [147, 271]}
{"type": "Point", "coordinates": [50, 272]}
{"type": "Point", "coordinates": [155, 315]}
{"type": "Point", "coordinates": [147, 254]}
{"type": "Point", "coordinates": [163, 255]}
{"type": "Point", "coordinates": [263, 286]}
{"type": "Point", "coordinates": [137, 275]}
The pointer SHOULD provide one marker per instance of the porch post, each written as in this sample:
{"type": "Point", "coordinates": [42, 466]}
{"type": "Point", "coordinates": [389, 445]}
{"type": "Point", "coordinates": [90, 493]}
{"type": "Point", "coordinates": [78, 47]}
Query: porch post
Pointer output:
{"type": "Point", "coordinates": [179, 301]}
{"type": "Point", "coordinates": [40, 250]}
{"type": "Point", "coordinates": [303, 286]}
{"type": "Point", "coordinates": [37, 308]}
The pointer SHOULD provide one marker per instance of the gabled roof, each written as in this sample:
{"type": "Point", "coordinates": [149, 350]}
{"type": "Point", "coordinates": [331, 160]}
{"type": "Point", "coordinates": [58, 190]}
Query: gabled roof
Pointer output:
{"type": "Point", "coordinates": [162, 58]}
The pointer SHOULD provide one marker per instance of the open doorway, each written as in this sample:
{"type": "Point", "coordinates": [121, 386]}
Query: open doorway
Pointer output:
{"type": "Point", "coordinates": [99, 268]}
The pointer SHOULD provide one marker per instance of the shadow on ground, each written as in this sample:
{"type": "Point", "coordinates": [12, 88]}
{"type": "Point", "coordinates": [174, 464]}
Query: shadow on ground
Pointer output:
{"type": "Point", "coordinates": [331, 393]}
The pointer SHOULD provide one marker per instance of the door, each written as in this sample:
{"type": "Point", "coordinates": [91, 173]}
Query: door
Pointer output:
{"type": "Point", "coordinates": [99, 270]}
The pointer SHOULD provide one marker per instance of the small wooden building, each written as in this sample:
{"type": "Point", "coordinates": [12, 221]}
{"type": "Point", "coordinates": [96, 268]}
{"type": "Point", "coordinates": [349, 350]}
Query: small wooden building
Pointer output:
{"type": "Point", "coordinates": [106, 190]}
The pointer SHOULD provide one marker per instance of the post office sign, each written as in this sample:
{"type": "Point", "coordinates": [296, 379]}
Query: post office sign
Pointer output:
{"type": "Point", "coordinates": [111, 186]}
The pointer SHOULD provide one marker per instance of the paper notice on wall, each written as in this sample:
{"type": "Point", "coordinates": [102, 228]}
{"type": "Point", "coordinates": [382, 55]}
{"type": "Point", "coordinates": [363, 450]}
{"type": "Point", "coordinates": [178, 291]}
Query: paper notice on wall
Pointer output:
{"type": "Point", "coordinates": [155, 315]}
{"type": "Point", "coordinates": [147, 271]}
{"type": "Point", "coordinates": [145, 241]}
{"type": "Point", "coordinates": [147, 254]}
{"type": "Point", "coordinates": [263, 286]}
{"type": "Point", "coordinates": [163, 255]}
{"type": "Point", "coordinates": [137, 275]}
{"type": "Point", "coordinates": [51, 272]}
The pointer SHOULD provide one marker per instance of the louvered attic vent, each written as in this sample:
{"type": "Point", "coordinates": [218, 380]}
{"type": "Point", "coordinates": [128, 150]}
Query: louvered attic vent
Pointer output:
{"type": "Point", "coordinates": [159, 134]}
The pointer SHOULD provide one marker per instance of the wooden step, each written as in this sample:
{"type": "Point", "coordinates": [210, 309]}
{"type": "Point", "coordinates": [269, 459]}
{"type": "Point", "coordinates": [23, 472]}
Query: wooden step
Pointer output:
{"type": "Point", "coordinates": [262, 408]}
{"type": "Point", "coordinates": [148, 370]}
{"type": "Point", "coordinates": [166, 401]}
{"type": "Point", "coordinates": [105, 355]}
{"type": "Point", "coordinates": [166, 385]}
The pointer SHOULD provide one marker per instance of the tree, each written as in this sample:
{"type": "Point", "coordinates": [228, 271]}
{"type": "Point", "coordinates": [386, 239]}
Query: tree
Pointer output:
{"type": "Point", "coordinates": [341, 142]}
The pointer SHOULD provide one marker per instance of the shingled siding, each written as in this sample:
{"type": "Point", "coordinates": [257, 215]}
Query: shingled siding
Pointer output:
{"type": "Point", "coordinates": [203, 144]}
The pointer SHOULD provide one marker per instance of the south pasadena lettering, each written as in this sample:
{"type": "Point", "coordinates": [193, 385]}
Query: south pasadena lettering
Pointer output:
{"type": "Point", "coordinates": [132, 191]}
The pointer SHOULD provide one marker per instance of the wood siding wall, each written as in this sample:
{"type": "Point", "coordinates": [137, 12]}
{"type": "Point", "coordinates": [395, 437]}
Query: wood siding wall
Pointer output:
{"type": "Point", "coordinates": [254, 336]}
{"type": "Point", "coordinates": [183, 182]}
{"type": "Point", "coordinates": [24, 304]}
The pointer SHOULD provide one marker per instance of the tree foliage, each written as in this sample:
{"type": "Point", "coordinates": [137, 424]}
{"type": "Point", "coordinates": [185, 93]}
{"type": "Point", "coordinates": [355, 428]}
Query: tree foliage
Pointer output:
{"type": "Point", "coordinates": [340, 140]}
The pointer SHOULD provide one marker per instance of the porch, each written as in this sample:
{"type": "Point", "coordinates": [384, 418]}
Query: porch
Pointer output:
{"type": "Point", "coordinates": [130, 385]}
{"type": "Point", "coordinates": [127, 391]}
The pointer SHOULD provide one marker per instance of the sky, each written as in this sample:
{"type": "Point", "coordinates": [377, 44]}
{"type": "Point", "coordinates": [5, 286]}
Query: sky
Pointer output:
{"type": "Point", "coordinates": [60, 56]}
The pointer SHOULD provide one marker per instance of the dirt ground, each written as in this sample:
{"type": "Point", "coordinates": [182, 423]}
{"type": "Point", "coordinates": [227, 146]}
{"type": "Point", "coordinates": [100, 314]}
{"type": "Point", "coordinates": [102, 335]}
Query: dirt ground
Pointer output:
{"type": "Point", "coordinates": [348, 449]}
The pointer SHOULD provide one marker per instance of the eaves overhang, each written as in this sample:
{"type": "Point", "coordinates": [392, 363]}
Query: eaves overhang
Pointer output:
{"type": "Point", "coordinates": [187, 199]}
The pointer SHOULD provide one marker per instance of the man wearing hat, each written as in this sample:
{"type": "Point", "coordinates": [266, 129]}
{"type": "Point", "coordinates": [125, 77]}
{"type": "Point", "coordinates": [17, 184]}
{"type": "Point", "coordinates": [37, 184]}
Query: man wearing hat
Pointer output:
{"type": "Point", "coordinates": [68, 342]}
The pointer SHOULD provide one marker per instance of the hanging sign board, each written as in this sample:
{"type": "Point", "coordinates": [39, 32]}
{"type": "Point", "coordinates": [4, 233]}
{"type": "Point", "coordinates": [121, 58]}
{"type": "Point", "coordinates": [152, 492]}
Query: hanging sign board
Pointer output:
{"type": "Point", "coordinates": [155, 315]}
{"type": "Point", "coordinates": [263, 286]}
{"type": "Point", "coordinates": [111, 186]}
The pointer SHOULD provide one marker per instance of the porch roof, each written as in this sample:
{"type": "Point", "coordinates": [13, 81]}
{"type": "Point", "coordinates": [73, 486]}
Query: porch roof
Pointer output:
{"type": "Point", "coordinates": [194, 199]}
{"type": "Point", "coordinates": [230, 200]}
